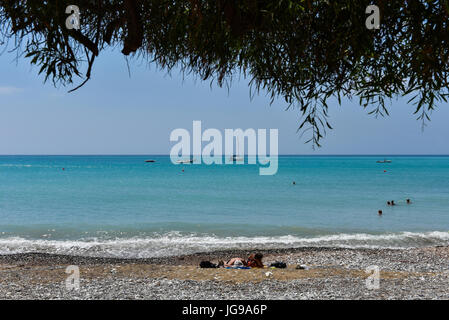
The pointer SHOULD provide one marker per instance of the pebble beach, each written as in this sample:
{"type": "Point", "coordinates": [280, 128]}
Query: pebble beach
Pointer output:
{"type": "Point", "coordinates": [326, 273]}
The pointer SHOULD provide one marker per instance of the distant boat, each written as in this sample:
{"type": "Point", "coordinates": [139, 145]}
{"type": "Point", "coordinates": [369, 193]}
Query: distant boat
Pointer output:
{"type": "Point", "coordinates": [383, 161]}
{"type": "Point", "coordinates": [185, 161]}
{"type": "Point", "coordinates": [236, 158]}
{"type": "Point", "coordinates": [150, 161]}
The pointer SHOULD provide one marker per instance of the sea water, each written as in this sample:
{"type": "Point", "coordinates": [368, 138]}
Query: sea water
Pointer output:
{"type": "Point", "coordinates": [120, 206]}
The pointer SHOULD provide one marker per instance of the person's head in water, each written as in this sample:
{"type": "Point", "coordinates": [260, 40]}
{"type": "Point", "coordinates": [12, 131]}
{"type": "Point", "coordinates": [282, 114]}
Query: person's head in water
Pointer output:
{"type": "Point", "coordinates": [294, 182]}
{"type": "Point", "coordinates": [389, 203]}
{"type": "Point", "coordinates": [408, 201]}
{"type": "Point", "coordinates": [379, 212]}
{"type": "Point", "coordinates": [392, 203]}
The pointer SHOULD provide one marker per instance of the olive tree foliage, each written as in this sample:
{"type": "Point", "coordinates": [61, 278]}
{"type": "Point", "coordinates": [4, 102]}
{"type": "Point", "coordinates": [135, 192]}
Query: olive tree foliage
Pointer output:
{"type": "Point", "coordinates": [305, 51]}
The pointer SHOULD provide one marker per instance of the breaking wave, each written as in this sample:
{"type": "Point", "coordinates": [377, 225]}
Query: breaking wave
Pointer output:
{"type": "Point", "coordinates": [176, 243]}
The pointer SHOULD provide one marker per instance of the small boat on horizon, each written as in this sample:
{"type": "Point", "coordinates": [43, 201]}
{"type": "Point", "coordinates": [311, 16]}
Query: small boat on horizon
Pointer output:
{"type": "Point", "coordinates": [236, 158]}
{"type": "Point", "coordinates": [185, 161]}
{"type": "Point", "coordinates": [383, 161]}
{"type": "Point", "coordinates": [148, 161]}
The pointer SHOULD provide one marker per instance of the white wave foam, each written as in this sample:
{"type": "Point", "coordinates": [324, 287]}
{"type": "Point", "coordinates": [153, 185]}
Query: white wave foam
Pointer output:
{"type": "Point", "coordinates": [174, 243]}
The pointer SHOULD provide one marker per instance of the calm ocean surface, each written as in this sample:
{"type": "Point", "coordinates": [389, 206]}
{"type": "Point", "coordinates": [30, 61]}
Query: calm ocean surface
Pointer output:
{"type": "Point", "coordinates": [121, 206]}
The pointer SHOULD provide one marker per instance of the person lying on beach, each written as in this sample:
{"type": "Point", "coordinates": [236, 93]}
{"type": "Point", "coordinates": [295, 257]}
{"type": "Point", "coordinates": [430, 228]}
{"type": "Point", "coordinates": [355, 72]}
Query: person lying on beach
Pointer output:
{"type": "Point", "coordinates": [235, 262]}
{"type": "Point", "coordinates": [255, 261]}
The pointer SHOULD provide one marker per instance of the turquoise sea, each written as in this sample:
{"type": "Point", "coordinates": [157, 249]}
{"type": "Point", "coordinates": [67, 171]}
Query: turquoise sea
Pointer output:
{"type": "Point", "coordinates": [121, 206]}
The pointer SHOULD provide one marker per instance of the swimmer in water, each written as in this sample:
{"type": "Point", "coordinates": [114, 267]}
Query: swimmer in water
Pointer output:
{"type": "Point", "coordinates": [379, 212]}
{"type": "Point", "coordinates": [409, 201]}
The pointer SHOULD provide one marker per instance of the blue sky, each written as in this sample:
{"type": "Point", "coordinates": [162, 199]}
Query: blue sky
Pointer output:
{"type": "Point", "coordinates": [118, 114]}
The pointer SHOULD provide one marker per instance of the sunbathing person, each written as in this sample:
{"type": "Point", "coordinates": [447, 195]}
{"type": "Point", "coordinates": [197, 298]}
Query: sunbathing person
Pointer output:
{"type": "Point", "coordinates": [255, 261]}
{"type": "Point", "coordinates": [235, 262]}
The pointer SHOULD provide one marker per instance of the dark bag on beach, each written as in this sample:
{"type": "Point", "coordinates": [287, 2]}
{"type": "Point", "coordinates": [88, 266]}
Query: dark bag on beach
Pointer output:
{"type": "Point", "coordinates": [279, 264]}
{"type": "Point", "coordinates": [207, 264]}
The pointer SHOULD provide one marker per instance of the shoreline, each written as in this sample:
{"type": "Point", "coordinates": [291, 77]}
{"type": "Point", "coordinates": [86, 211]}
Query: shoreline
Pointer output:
{"type": "Point", "coordinates": [41, 258]}
{"type": "Point", "coordinates": [331, 273]}
{"type": "Point", "coordinates": [187, 259]}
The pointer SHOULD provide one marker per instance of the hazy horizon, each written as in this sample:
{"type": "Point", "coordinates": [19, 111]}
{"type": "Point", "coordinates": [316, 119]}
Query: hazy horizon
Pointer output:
{"type": "Point", "coordinates": [280, 155]}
